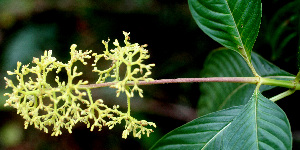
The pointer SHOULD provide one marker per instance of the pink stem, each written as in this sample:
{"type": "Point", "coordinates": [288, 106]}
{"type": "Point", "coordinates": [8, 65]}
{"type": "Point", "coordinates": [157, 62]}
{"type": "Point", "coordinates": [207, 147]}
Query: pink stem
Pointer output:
{"type": "Point", "coordinates": [251, 80]}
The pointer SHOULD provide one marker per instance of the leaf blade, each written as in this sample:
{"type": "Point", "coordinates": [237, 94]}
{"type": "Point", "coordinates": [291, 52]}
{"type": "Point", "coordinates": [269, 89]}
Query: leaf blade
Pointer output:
{"type": "Point", "coordinates": [260, 124]}
{"type": "Point", "coordinates": [234, 24]}
{"type": "Point", "coordinates": [217, 121]}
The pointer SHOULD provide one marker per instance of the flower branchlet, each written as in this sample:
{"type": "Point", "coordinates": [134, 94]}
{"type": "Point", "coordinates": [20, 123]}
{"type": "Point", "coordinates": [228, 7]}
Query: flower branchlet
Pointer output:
{"type": "Point", "coordinates": [132, 55]}
{"type": "Point", "coordinates": [42, 105]}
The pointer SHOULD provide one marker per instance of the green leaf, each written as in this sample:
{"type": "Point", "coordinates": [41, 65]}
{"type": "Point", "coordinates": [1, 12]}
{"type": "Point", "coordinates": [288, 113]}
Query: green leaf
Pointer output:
{"type": "Point", "coordinates": [226, 63]}
{"type": "Point", "coordinates": [260, 124]}
{"type": "Point", "coordinates": [232, 23]}
{"type": "Point", "coordinates": [198, 132]}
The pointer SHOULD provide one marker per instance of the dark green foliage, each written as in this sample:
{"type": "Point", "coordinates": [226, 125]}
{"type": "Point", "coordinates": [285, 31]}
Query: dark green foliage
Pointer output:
{"type": "Point", "coordinates": [260, 124]}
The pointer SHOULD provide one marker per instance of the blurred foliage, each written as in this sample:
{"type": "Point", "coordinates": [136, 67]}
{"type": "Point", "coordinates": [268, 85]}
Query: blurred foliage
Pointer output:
{"type": "Point", "coordinates": [175, 43]}
{"type": "Point", "coordinates": [11, 134]}
{"type": "Point", "coordinates": [279, 33]}
{"type": "Point", "coordinates": [282, 28]}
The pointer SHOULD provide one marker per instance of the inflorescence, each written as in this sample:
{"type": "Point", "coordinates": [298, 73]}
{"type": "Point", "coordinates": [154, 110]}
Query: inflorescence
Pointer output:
{"type": "Point", "coordinates": [63, 106]}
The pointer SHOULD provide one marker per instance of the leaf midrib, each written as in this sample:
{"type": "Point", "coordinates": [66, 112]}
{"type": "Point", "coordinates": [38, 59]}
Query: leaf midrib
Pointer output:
{"type": "Point", "coordinates": [243, 51]}
{"type": "Point", "coordinates": [216, 136]}
{"type": "Point", "coordinates": [255, 111]}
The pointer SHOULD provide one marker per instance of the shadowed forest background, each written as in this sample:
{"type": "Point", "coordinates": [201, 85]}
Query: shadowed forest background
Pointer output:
{"type": "Point", "coordinates": [176, 45]}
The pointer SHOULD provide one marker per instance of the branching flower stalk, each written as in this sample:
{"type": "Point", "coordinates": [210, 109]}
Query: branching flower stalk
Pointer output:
{"type": "Point", "coordinates": [63, 106]}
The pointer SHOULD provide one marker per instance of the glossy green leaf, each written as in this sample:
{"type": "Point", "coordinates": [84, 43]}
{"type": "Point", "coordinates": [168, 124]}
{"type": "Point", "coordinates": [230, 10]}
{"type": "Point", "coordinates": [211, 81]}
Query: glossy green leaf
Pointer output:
{"type": "Point", "coordinates": [226, 63]}
{"type": "Point", "coordinates": [260, 124]}
{"type": "Point", "coordinates": [234, 24]}
{"type": "Point", "coordinates": [199, 132]}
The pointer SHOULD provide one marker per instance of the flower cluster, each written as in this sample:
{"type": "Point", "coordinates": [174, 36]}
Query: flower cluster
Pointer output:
{"type": "Point", "coordinates": [70, 102]}
{"type": "Point", "coordinates": [132, 55]}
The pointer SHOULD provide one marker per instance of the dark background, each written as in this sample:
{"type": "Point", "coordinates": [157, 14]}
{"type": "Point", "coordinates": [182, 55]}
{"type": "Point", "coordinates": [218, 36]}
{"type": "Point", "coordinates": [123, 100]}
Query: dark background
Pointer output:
{"type": "Point", "coordinates": [176, 45]}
